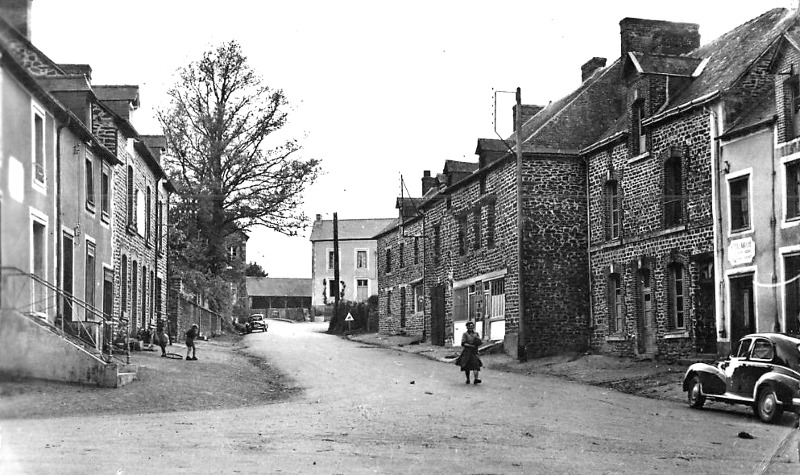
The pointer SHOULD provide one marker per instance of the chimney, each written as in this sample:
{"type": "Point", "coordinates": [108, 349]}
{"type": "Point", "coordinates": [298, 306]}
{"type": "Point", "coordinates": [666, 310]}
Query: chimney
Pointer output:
{"type": "Point", "coordinates": [528, 111]}
{"type": "Point", "coordinates": [18, 14]}
{"type": "Point", "coordinates": [319, 217]}
{"type": "Point", "coordinates": [428, 181]}
{"type": "Point", "coordinates": [589, 67]}
{"type": "Point", "coordinates": [658, 37]}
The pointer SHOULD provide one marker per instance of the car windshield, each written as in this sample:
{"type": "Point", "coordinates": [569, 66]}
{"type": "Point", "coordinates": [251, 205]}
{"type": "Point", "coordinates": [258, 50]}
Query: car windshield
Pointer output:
{"type": "Point", "coordinates": [744, 346]}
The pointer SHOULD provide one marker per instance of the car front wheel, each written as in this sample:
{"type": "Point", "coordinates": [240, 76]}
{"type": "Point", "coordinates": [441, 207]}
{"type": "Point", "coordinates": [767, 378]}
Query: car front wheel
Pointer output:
{"type": "Point", "coordinates": [768, 407]}
{"type": "Point", "coordinates": [695, 394]}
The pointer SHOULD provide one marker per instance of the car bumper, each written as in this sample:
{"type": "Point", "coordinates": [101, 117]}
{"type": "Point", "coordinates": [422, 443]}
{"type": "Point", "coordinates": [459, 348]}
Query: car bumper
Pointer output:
{"type": "Point", "coordinates": [796, 403]}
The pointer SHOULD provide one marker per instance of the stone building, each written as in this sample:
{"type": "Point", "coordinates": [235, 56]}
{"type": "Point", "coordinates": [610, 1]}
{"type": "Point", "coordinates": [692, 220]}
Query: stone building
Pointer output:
{"type": "Point", "coordinates": [619, 205]}
{"type": "Point", "coordinates": [79, 142]}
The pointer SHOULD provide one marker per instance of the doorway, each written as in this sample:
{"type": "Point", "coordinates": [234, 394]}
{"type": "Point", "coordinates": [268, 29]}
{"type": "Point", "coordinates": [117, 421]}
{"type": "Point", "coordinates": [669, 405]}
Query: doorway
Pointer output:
{"type": "Point", "coordinates": [646, 343]}
{"type": "Point", "coordinates": [742, 307]}
{"type": "Point", "coordinates": [437, 315]}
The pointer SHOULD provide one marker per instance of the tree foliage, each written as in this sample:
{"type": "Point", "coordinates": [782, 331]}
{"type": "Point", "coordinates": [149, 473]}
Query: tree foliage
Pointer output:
{"type": "Point", "coordinates": [254, 269]}
{"type": "Point", "coordinates": [231, 171]}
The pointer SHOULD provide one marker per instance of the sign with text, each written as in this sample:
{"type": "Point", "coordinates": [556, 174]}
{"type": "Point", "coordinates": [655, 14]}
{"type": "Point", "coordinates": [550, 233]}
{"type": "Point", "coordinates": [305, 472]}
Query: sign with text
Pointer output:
{"type": "Point", "coordinates": [741, 251]}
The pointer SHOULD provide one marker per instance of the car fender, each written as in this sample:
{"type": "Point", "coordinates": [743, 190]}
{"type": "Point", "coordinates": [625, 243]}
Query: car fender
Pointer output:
{"type": "Point", "coordinates": [784, 385]}
{"type": "Point", "coordinates": [712, 378]}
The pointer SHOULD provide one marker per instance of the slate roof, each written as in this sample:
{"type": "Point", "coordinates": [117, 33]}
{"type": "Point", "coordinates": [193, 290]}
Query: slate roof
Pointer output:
{"type": "Point", "coordinates": [457, 166]}
{"type": "Point", "coordinates": [278, 287]}
{"type": "Point", "coordinates": [762, 112]}
{"type": "Point", "coordinates": [349, 229]}
{"type": "Point", "coordinates": [732, 54]}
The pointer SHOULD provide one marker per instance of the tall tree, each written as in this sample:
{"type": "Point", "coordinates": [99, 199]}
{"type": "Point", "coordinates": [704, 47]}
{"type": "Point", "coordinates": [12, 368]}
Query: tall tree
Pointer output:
{"type": "Point", "coordinates": [230, 170]}
{"type": "Point", "coordinates": [254, 269]}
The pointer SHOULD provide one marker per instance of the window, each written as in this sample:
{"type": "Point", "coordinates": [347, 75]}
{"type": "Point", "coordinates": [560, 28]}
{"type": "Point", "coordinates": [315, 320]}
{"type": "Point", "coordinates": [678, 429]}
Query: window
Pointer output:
{"type": "Point", "coordinates": [38, 148]}
{"type": "Point", "coordinates": [793, 190]}
{"type": "Point", "coordinates": [677, 296]}
{"type": "Point", "coordinates": [615, 311]}
{"type": "Point", "coordinates": [389, 302]}
{"type": "Point", "coordinates": [462, 232]}
{"type": "Point", "coordinates": [638, 134]}
{"type": "Point", "coordinates": [762, 350]}
{"type": "Point", "coordinates": [131, 217]}
{"type": "Point", "coordinates": [124, 285]}
{"type": "Point", "coordinates": [134, 293]}
{"type": "Point", "coordinates": [402, 255]}
{"type": "Point", "coordinates": [140, 214]}
{"type": "Point", "coordinates": [67, 274]}
{"type": "Point", "coordinates": [402, 307]}
{"type": "Point", "coordinates": [437, 242]}
{"type": "Point", "coordinates": [332, 259]}
{"type": "Point", "coordinates": [148, 209]}
{"type": "Point", "coordinates": [362, 290]}
{"type": "Point", "coordinates": [157, 298]}
{"type": "Point", "coordinates": [90, 274]}
{"type": "Point", "coordinates": [744, 348]}
{"type": "Point", "coordinates": [673, 192]}
{"type": "Point", "coordinates": [233, 251]}
{"type": "Point", "coordinates": [388, 261]}
{"type": "Point", "coordinates": [612, 210]}
{"type": "Point", "coordinates": [739, 204]}
{"type": "Point", "coordinates": [496, 305]}
{"type": "Point", "coordinates": [105, 193]}
{"type": "Point", "coordinates": [490, 220]}
{"type": "Point", "coordinates": [416, 250]}
{"type": "Point", "coordinates": [791, 277]}
{"type": "Point", "coordinates": [89, 184]}
{"type": "Point", "coordinates": [419, 298]}
{"type": "Point", "coordinates": [483, 185]}
{"type": "Point", "coordinates": [144, 296]}
{"type": "Point", "coordinates": [476, 227]}
{"type": "Point", "coordinates": [159, 226]}
{"type": "Point", "coordinates": [792, 106]}
{"type": "Point", "coordinates": [361, 259]}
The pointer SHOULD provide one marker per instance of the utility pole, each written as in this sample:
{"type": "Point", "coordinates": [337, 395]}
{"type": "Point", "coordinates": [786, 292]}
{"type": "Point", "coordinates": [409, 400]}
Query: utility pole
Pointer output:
{"type": "Point", "coordinates": [336, 266]}
{"type": "Point", "coordinates": [520, 261]}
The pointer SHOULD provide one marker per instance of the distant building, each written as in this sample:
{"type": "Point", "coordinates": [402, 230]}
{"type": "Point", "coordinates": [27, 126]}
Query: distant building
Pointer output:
{"type": "Point", "coordinates": [280, 297]}
{"type": "Point", "coordinates": [357, 259]}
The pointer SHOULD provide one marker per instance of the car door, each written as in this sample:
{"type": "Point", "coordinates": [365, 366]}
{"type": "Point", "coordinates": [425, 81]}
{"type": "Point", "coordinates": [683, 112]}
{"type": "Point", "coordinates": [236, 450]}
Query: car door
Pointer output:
{"type": "Point", "coordinates": [758, 362]}
{"type": "Point", "coordinates": [734, 368]}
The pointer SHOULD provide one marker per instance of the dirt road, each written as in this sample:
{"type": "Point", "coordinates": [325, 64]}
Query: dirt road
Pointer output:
{"type": "Point", "coordinates": [371, 410]}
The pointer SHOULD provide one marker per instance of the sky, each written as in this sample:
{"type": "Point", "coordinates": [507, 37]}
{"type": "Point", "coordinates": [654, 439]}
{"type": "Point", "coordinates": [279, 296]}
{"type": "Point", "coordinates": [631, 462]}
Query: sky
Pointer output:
{"type": "Point", "coordinates": [378, 90]}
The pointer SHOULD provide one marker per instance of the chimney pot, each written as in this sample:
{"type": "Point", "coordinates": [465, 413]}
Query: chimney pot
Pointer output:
{"type": "Point", "coordinates": [319, 217]}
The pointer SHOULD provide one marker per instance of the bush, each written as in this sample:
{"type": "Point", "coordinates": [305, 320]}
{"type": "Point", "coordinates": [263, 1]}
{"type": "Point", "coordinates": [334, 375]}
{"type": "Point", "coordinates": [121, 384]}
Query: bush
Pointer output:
{"type": "Point", "coordinates": [363, 313]}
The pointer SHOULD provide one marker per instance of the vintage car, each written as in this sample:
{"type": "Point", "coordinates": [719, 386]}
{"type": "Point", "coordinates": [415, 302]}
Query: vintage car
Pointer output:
{"type": "Point", "coordinates": [255, 322]}
{"type": "Point", "coordinates": [762, 371]}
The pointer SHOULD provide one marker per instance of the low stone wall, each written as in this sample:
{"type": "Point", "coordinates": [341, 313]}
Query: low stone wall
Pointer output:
{"type": "Point", "coordinates": [30, 350]}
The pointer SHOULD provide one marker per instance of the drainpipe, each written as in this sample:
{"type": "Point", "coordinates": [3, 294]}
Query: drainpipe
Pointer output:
{"type": "Point", "coordinates": [520, 265]}
{"type": "Point", "coordinates": [719, 248]}
{"type": "Point", "coordinates": [773, 225]}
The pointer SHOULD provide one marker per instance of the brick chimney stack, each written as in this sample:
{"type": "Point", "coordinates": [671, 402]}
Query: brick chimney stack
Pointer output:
{"type": "Point", "coordinates": [428, 181]}
{"type": "Point", "coordinates": [658, 37]}
{"type": "Point", "coordinates": [18, 14]}
{"type": "Point", "coordinates": [528, 111]}
{"type": "Point", "coordinates": [589, 67]}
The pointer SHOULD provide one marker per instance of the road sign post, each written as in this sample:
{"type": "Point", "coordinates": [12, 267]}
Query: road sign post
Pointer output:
{"type": "Point", "coordinates": [348, 319]}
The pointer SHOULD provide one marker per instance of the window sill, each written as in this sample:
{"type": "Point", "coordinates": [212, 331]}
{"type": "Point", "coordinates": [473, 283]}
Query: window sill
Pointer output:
{"type": "Point", "coordinates": [131, 228]}
{"type": "Point", "coordinates": [790, 222]}
{"type": "Point", "coordinates": [638, 158]}
{"type": "Point", "coordinates": [738, 233]}
{"type": "Point", "coordinates": [90, 207]}
{"type": "Point", "coordinates": [674, 228]}
{"type": "Point", "coordinates": [676, 334]}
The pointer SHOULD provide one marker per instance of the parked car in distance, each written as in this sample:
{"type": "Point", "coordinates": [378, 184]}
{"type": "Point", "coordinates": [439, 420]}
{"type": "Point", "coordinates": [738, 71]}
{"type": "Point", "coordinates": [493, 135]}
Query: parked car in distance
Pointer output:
{"type": "Point", "coordinates": [255, 322]}
{"type": "Point", "coordinates": [762, 371]}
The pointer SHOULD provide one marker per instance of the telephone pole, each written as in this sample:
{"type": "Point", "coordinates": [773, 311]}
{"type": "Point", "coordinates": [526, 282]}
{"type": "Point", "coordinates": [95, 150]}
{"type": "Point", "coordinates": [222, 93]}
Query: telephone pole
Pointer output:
{"type": "Point", "coordinates": [336, 267]}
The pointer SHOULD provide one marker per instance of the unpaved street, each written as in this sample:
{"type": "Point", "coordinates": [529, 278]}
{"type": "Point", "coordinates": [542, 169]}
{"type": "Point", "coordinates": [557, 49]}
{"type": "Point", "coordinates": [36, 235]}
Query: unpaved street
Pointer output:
{"type": "Point", "coordinates": [372, 410]}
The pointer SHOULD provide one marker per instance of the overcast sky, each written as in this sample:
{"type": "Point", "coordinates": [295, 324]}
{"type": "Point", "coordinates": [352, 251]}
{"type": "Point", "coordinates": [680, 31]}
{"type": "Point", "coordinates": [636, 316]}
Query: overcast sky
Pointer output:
{"type": "Point", "coordinates": [378, 89]}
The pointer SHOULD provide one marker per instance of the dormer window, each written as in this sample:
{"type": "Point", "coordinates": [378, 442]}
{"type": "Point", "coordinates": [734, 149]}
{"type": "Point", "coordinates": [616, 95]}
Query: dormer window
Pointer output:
{"type": "Point", "coordinates": [791, 90]}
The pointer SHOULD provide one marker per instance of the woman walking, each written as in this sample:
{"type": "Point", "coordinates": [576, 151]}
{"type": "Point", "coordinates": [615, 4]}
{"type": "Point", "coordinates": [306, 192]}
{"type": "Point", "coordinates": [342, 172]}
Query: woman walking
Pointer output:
{"type": "Point", "coordinates": [468, 360]}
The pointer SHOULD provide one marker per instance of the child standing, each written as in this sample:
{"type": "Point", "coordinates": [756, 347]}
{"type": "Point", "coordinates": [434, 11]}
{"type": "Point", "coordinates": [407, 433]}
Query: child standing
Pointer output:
{"type": "Point", "coordinates": [190, 336]}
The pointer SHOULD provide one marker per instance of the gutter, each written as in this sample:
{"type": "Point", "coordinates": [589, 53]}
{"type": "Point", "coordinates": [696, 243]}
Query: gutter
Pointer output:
{"type": "Point", "coordinates": [702, 100]}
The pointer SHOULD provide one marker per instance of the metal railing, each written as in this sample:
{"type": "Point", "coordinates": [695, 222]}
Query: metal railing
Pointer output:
{"type": "Point", "coordinates": [33, 296]}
